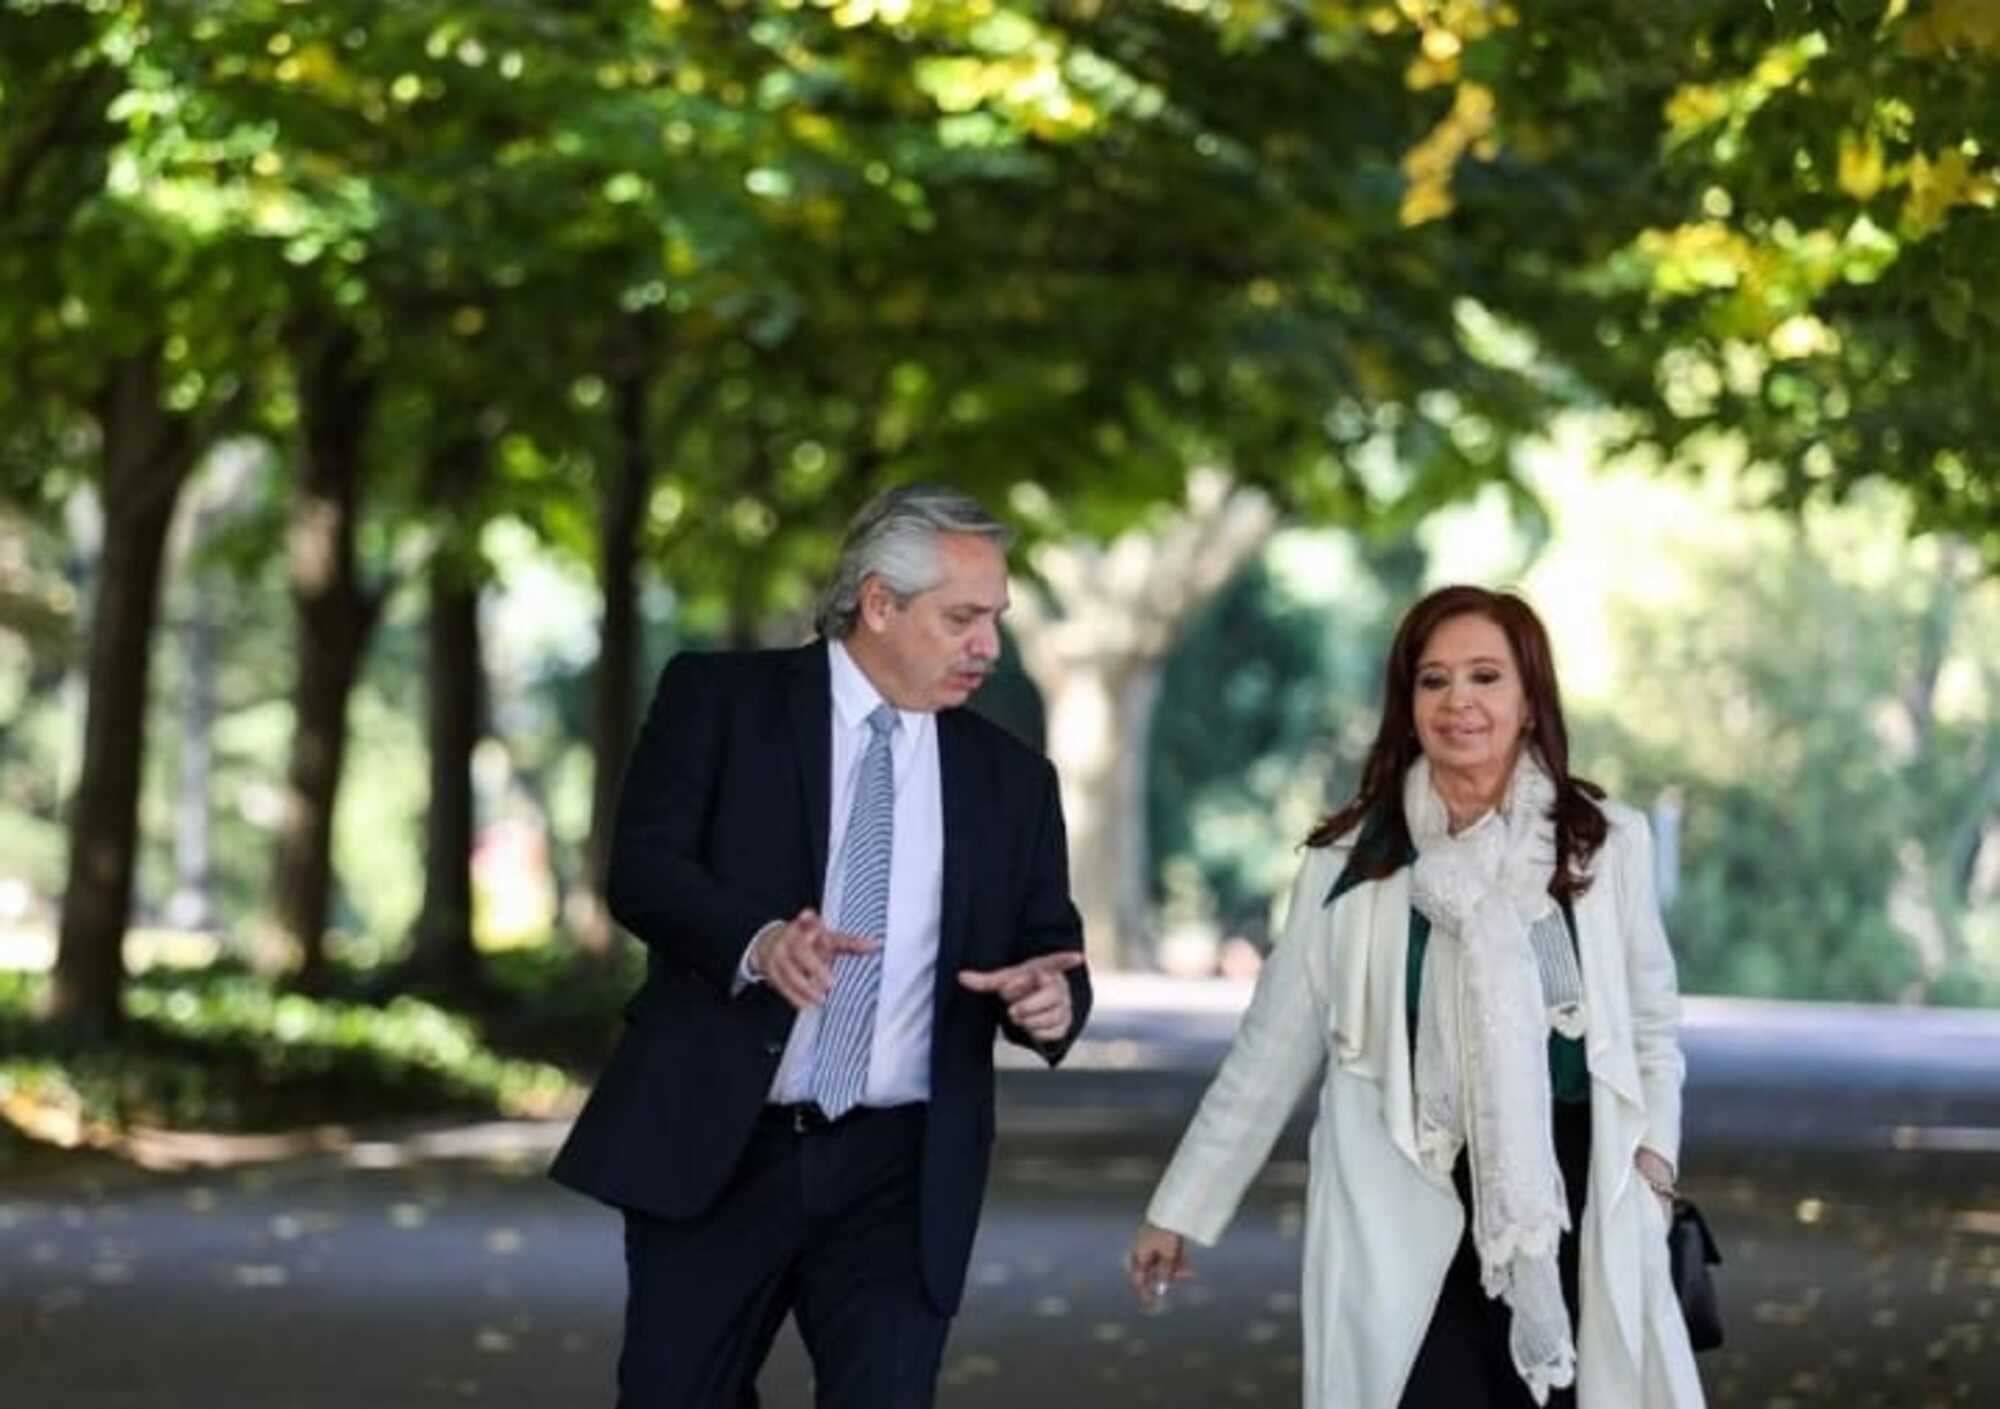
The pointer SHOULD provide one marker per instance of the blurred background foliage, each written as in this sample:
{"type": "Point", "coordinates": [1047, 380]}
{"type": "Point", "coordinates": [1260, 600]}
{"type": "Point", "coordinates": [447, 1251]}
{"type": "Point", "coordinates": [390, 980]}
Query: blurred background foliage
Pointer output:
{"type": "Point", "coordinates": [390, 389]}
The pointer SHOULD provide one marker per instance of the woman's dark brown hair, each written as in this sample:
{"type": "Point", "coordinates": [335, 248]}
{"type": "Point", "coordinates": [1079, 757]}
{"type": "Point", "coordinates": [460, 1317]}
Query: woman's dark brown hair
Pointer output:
{"type": "Point", "coordinates": [1580, 824]}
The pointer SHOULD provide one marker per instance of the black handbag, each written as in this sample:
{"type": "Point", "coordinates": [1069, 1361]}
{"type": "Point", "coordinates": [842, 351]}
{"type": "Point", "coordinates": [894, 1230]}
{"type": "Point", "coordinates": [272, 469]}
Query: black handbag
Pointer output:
{"type": "Point", "coordinates": [1690, 1253]}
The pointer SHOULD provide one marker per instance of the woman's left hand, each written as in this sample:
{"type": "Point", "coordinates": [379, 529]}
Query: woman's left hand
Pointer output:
{"type": "Point", "coordinates": [1658, 1176]}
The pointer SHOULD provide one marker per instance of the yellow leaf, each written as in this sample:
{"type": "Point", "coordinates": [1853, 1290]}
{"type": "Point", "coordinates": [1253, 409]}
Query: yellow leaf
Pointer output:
{"type": "Point", "coordinates": [1428, 165]}
{"type": "Point", "coordinates": [1425, 201]}
{"type": "Point", "coordinates": [1938, 186]}
{"type": "Point", "coordinates": [1441, 45]}
{"type": "Point", "coordinates": [1860, 166]}
{"type": "Point", "coordinates": [1693, 258]}
{"type": "Point", "coordinates": [1953, 27]}
{"type": "Point", "coordinates": [1424, 73]}
{"type": "Point", "coordinates": [1695, 106]}
{"type": "Point", "coordinates": [1780, 67]}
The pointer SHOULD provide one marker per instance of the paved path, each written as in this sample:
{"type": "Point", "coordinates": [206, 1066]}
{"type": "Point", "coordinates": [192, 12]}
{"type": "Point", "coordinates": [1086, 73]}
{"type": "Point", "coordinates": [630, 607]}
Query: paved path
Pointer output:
{"type": "Point", "coordinates": [1850, 1161]}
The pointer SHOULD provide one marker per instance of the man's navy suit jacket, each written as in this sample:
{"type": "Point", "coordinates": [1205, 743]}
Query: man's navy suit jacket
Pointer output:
{"type": "Point", "coordinates": [722, 827]}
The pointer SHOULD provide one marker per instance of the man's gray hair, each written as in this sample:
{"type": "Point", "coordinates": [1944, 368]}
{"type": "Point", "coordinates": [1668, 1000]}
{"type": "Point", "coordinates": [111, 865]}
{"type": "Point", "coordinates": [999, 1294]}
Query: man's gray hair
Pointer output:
{"type": "Point", "coordinates": [895, 537]}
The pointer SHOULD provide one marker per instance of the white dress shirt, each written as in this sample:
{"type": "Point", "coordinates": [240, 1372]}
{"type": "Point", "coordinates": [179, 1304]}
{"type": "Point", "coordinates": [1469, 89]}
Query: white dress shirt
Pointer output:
{"type": "Point", "coordinates": [899, 1061]}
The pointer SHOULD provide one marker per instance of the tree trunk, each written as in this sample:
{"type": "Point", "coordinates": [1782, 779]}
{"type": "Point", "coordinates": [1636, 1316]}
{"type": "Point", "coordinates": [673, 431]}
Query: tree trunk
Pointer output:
{"type": "Point", "coordinates": [1096, 642]}
{"type": "Point", "coordinates": [147, 454]}
{"type": "Point", "coordinates": [442, 955]}
{"type": "Point", "coordinates": [1100, 713]}
{"type": "Point", "coordinates": [620, 513]}
{"type": "Point", "coordinates": [335, 614]}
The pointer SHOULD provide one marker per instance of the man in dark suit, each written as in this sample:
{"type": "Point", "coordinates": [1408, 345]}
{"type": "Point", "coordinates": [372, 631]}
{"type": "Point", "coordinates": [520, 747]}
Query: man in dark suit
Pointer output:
{"type": "Point", "coordinates": [845, 884]}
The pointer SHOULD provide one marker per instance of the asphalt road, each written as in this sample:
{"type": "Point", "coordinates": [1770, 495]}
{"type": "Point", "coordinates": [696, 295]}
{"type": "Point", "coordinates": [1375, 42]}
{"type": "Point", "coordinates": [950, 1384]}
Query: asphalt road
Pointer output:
{"type": "Point", "coordinates": [1849, 1160]}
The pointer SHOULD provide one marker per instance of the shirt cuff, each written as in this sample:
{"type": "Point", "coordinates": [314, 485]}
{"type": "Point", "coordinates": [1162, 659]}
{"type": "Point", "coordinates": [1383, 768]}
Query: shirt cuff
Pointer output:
{"type": "Point", "coordinates": [746, 976]}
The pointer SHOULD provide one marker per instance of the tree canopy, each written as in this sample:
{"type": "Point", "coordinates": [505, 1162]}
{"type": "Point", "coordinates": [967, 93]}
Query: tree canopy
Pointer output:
{"type": "Point", "coordinates": [1079, 244]}
{"type": "Point", "coordinates": [683, 283]}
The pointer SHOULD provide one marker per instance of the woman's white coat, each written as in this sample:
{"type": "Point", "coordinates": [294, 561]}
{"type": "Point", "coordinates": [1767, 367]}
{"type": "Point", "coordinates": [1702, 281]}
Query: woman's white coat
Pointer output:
{"type": "Point", "coordinates": [1380, 1230]}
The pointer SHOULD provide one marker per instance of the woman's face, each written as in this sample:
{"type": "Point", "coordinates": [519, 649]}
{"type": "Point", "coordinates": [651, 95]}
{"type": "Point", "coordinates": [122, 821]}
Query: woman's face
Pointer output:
{"type": "Point", "coordinates": [1470, 707]}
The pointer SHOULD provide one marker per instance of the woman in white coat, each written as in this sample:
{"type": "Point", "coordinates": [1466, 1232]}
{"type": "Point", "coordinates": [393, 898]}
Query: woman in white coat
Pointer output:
{"type": "Point", "coordinates": [1474, 956]}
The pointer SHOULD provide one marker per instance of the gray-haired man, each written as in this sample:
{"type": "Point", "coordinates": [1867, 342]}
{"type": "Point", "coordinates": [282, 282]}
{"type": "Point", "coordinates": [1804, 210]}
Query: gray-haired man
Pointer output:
{"type": "Point", "coordinates": [845, 884]}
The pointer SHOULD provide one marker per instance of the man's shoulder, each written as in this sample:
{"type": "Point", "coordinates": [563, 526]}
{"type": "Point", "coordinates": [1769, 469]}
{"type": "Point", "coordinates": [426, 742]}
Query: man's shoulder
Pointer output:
{"type": "Point", "coordinates": [721, 667]}
{"type": "Point", "coordinates": [995, 739]}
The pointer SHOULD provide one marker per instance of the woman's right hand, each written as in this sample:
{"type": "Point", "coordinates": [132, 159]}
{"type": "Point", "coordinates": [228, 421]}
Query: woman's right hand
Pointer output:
{"type": "Point", "coordinates": [1157, 1261]}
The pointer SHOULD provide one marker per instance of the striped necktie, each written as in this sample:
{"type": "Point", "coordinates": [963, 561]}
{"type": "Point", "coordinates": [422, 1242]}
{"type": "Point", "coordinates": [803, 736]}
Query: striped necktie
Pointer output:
{"type": "Point", "coordinates": [847, 1021]}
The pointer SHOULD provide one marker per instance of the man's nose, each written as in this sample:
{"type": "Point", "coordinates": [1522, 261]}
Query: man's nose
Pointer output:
{"type": "Point", "coordinates": [986, 642]}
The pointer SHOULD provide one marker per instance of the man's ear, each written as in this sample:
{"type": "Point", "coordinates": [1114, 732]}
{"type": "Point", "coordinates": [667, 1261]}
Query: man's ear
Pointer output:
{"type": "Point", "coordinates": [876, 601]}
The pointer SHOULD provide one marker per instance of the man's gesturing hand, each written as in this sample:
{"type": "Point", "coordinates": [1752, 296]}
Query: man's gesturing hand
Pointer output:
{"type": "Point", "coordinates": [1034, 990]}
{"type": "Point", "coordinates": [797, 959]}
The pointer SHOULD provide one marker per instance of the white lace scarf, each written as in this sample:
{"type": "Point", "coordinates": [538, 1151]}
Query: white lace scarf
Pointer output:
{"type": "Point", "coordinates": [1482, 1071]}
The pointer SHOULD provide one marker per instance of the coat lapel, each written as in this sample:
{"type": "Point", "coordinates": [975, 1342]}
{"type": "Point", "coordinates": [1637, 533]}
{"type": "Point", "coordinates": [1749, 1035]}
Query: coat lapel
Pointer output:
{"type": "Point", "coordinates": [1389, 934]}
{"type": "Point", "coordinates": [1370, 949]}
{"type": "Point", "coordinates": [1608, 1040]}
{"type": "Point", "coordinates": [809, 699]}
{"type": "Point", "coordinates": [1614, 1258]}
{"type": "Point", "coordinates": [961, 844]}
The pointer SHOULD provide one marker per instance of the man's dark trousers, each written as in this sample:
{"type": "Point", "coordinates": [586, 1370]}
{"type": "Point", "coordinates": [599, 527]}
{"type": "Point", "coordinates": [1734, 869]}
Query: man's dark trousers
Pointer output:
{"type": "Point", "coordinates": [821, 1222]}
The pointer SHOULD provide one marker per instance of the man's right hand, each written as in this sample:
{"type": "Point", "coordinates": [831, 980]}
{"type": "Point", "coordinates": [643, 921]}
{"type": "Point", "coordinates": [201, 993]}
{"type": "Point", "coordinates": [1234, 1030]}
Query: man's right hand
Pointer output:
{"type": "Point", "coordinates": [797, 958]}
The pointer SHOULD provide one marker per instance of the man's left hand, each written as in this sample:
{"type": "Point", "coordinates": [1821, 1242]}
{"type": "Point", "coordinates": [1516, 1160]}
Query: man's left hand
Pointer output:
{"type": "Point", "coordinates": [1034, 990]}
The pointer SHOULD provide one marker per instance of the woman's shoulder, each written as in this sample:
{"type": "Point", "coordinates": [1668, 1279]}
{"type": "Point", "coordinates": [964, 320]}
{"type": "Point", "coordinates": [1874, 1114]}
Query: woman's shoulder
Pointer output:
{"type": "Point", "coordinates": [1623, 818]}
{"type": "Point", "coordinates": [1334, 869]}
{"type": "Point", "coordinates": [1624, 823]}
{"type": "Point", "coordinates": [1373, 828]}
{"type": "Point", "coordinates": [1341, 845]}
{"type": "Point", "coordinates": [1628, 835]}
{"type": "Point", "coordinates": [1320, 864]}
{"type": "Point", "coordinates": [1325, 862]}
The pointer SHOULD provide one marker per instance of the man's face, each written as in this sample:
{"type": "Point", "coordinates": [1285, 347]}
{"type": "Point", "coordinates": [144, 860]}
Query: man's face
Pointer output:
{"type": "Point", "coordinates": [934, 651]}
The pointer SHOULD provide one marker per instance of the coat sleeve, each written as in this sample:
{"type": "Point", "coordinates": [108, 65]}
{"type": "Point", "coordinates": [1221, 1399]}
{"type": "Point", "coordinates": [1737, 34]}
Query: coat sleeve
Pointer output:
{"type": "Point", "coordinates": [657, 884]}
{"type": "Point", "coordinates": [1655, 992]}
{"type": "Point", "coordinates": [1048, 921]}
{"type": "Point", "coordinates": [1279, 1048]}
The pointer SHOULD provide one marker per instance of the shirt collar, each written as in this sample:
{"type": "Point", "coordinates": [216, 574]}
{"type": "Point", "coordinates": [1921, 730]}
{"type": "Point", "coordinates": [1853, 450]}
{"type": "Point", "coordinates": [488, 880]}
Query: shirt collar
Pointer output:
{"type": "Point", "coordinates": [854, 698]}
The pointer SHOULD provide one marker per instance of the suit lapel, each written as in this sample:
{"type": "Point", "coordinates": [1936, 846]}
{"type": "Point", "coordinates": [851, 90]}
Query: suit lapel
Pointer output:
{"type": "Point", "coordinates": [961, 842]}
{"type": "Point", "coordinates": [809, 699]}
